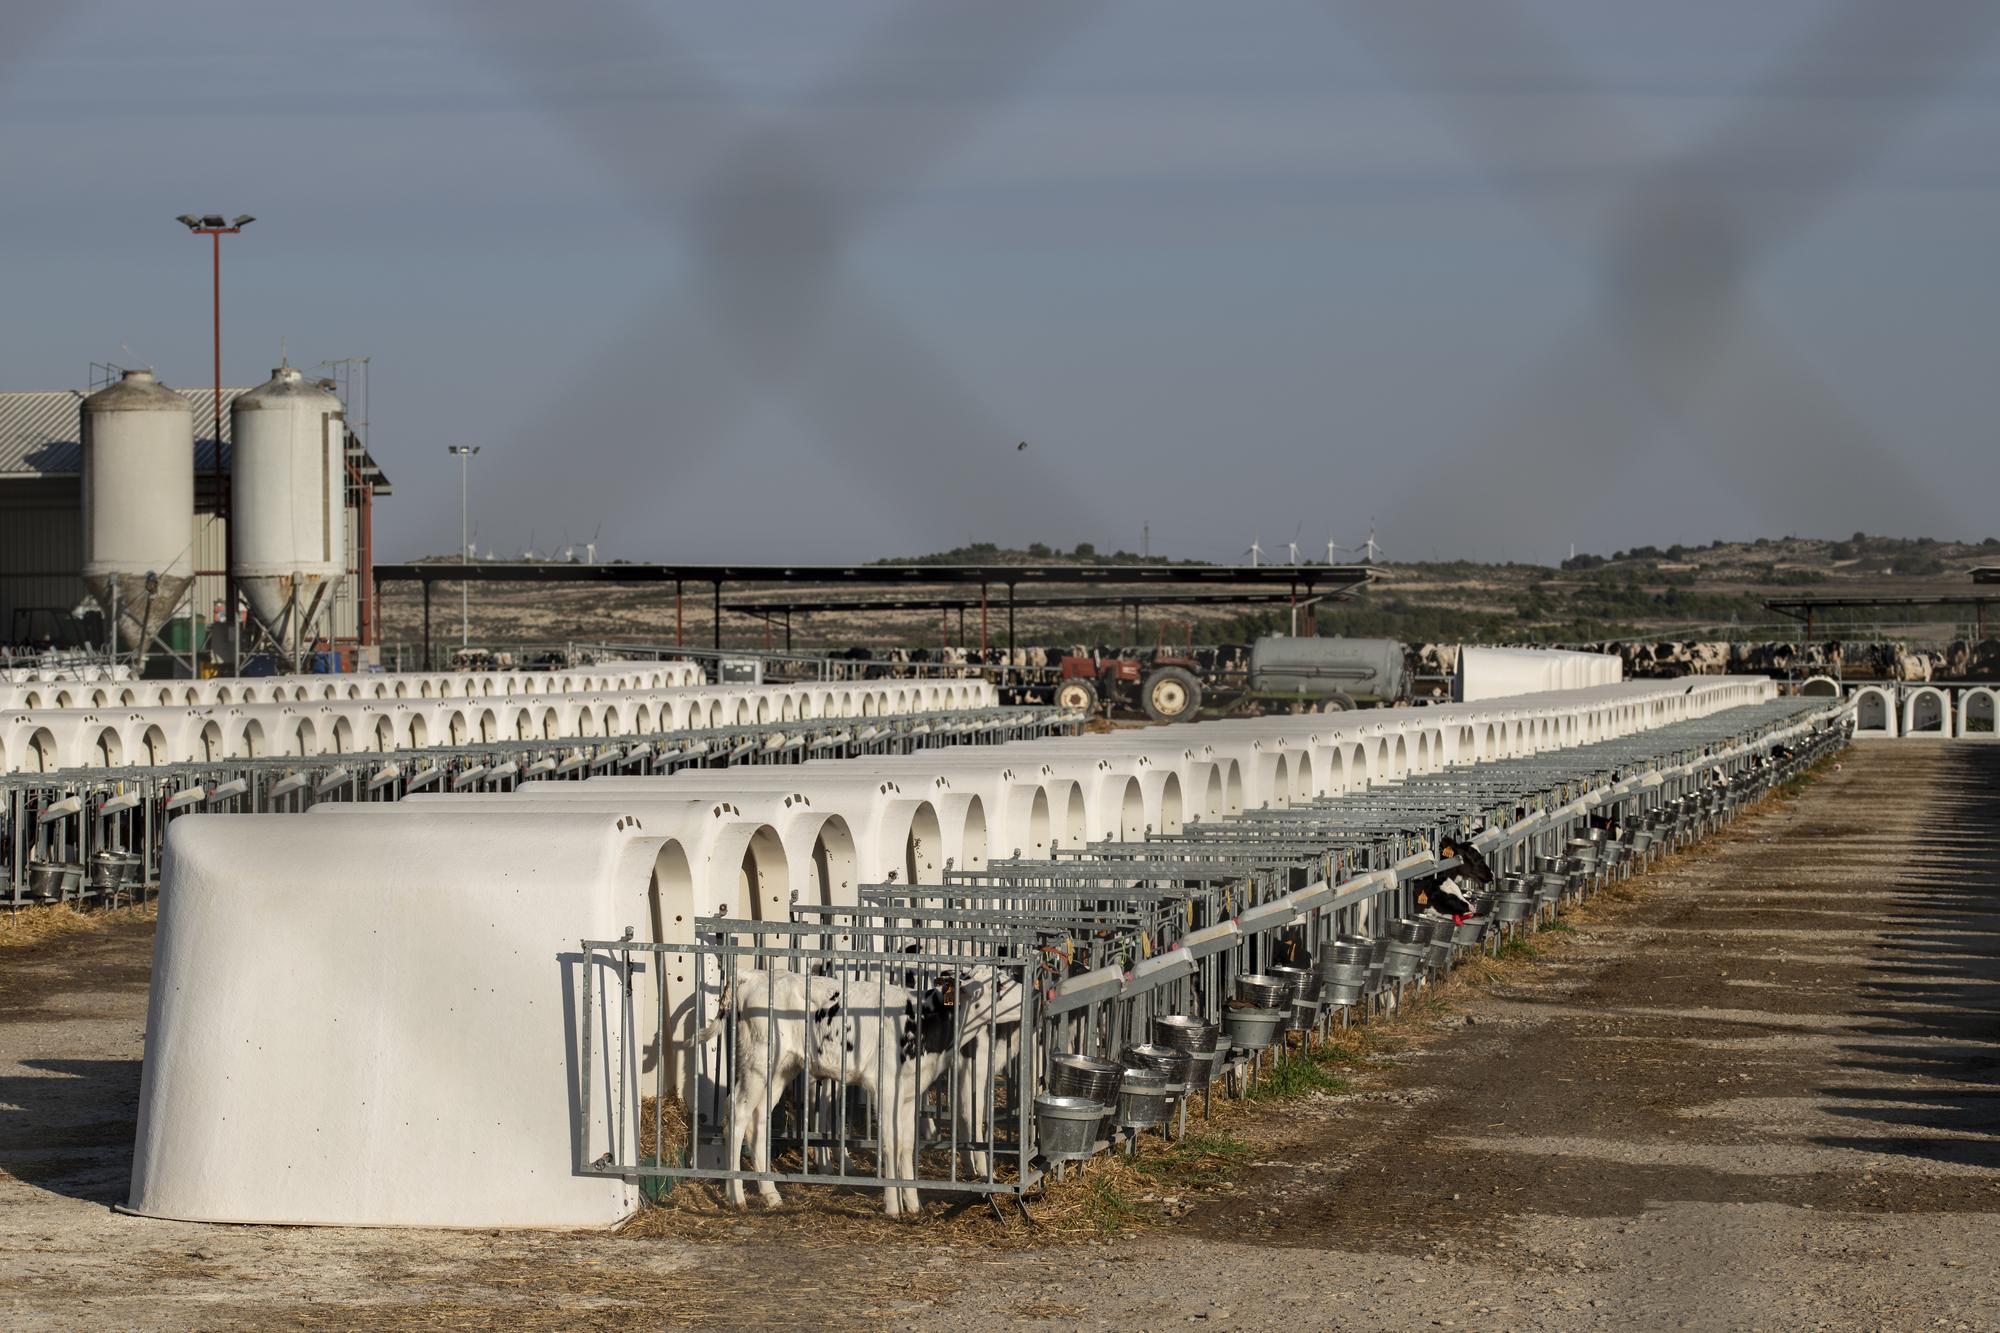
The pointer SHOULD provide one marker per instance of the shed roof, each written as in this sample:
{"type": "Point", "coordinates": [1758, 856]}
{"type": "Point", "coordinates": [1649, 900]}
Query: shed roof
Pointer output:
{"type": "Point", "coordinates": [41, 433]}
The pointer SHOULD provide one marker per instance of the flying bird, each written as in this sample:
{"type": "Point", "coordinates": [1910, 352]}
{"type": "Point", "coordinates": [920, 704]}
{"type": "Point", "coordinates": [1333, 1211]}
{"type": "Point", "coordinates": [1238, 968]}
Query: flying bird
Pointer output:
{"type": "Point", "coordinates": [1019, 447]}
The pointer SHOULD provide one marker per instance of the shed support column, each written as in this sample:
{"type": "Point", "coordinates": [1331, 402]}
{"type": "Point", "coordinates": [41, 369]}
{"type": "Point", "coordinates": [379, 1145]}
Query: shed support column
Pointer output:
{"type": "Point", "coordinates": [1010, 624]}
{"type": "Point", "coordinates": [680, 627]}
{"type": "Point", "coordinates": [716, 605]}
{"type": "Point", "coordinates": [427, 625]}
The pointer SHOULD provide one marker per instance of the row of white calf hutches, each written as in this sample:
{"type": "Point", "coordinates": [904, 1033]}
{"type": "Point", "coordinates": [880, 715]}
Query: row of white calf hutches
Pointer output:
{"type": "Point", "coordinates": [369, 1016]}
{"type": "Point", "coordinates": [48, 740]}
{"type": "Point", "coordinates": [86, 672]}
{"type": "Point", "coordinates": [98, 689]}
{"type": "Point", "coordinates": [1937, 711]}
{"type": "Point", "coordinates": [863, 698]}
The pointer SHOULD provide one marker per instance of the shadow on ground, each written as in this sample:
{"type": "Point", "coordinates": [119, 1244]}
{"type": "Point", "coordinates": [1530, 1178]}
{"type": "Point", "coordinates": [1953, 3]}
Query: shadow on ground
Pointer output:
{"type": "Point", "coordinates": [1929, 1004]}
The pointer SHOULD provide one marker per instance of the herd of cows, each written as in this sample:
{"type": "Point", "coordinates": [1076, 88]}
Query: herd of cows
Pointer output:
{"type": "Point", "coordinates": [1961, 659]}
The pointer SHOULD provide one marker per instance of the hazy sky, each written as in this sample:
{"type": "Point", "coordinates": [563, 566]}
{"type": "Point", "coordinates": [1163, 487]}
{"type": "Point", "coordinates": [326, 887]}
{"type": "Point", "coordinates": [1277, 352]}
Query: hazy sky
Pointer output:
{"type": "Point", "coordinates": [755, 281]}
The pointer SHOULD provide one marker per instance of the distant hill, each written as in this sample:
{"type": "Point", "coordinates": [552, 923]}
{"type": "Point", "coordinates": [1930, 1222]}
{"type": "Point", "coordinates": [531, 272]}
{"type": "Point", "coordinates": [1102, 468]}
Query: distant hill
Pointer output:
{"type": "Point", "coordinates": [1715, 591]}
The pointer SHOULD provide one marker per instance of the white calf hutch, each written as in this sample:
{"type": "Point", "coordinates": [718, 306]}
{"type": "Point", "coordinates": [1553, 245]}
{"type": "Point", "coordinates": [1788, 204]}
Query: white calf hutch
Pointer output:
{"type": "Point", "coordinates": [380, 1035]}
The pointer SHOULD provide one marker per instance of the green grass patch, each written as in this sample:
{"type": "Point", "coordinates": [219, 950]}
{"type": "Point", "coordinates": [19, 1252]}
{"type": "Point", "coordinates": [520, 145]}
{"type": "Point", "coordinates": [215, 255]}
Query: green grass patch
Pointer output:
{"type": "Point", "coordinates": [1298, 1076]}
{"type": "Point", "coordinates": [1107, 1207]}
{"type": "Point", "coordinates": [1195, 1162]}
{"type": "Point", "coordinates": [1517, 948]}
{"type": "Point", "coordinates": [1559, 928]}
{"type": "Point", "coordinates": [1333, 1057]}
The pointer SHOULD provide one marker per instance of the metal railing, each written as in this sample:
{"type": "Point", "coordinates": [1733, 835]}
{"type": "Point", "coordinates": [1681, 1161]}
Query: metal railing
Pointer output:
{"type": "Point", "coordinates": [84, 835]}
{"type": "Point", "coordinates": [1109, 937]}
{"type": "Point", "coordinates": [933, 1027]}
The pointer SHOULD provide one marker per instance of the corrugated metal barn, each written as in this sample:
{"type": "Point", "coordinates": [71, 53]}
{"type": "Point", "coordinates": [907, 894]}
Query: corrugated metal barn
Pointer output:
{"type": "Point", "coordinates": [41, 519]}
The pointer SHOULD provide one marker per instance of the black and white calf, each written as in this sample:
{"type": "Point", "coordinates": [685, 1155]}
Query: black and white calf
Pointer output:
{"type": "Point", "coordinates": [1472, 862]}
{"type": "Point", "coordinates": [893, 1042]}
{"type": "Point", "coordinates": [989, 1048]}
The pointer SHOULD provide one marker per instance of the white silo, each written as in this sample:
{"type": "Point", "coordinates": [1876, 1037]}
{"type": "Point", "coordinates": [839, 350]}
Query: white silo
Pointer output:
{"type": "Point", "coordinates": [138, 504]}
{"type": "Point", "coordinates": [288, 502]}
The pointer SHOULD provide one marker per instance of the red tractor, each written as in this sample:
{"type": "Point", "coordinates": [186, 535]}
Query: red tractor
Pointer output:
{"type": "Point", "coordinates": [1167, 691]}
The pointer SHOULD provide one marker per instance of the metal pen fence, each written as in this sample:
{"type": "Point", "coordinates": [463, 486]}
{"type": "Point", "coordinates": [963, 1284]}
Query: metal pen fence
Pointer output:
{"type": "Point", "coordinates": [87, 836]}
{"type": "Point", "coordinates": [1148, 970]}
{"type": "Point", "coordinates": [858, 1049]}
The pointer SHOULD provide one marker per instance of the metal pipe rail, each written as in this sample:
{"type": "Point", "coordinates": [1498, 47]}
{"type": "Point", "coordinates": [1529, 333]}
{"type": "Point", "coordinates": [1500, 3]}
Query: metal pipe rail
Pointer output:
{"type": "Point", "coordinates": [873, 1007]}
{"type": "Point", "coordinates": [85, 834]}
{"type": "Point", "coordinates": [1113, 934]}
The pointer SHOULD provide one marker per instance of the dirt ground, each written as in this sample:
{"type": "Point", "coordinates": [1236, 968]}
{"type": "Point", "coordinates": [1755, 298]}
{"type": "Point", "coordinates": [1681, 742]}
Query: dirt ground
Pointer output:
{"type": "Point", "coordinates": [1764, 1094]}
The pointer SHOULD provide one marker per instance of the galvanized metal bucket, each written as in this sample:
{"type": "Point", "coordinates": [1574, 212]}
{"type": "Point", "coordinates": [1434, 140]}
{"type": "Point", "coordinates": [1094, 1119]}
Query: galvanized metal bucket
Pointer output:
{"type": "Point", "coordinates": [1344, 992]}
{"type": "Point", "coordinates": [1298, 982]}
{"type": "Point", "coordinates": [1351, 950]}
{"type": "Point", "coordinates": [1252, 1029]}
{"type": "Point", "coordinates": [1066, 1127]}
{"type": "Point", "coordinates": [1145, 1099]}
{"type": "Point", "coordinates": [52, 881]}
{"type": "Point", "coordinates": [1263, 992]}
{"type": "Point", "coordinates": [1084, 1077]}
{"type": "Point", "coordinates": [1404, 960]}
{"type": "Point", "coordinates": [1204, 1065]}
{"type": "Point", "coordinates": [1164, 1060]}
{"type": "Point", "coordinates": [1184, 1032]}
{"type": "Point", "coordinates": [1342, 975]}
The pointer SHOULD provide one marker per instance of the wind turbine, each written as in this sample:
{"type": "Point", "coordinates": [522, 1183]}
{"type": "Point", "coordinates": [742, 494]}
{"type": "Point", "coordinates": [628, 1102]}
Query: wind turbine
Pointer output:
{"type": "Point", "coordinates": [1330, 550]}
{"type": "Point", "coordinates": [590, 547]}
{"type": "Point", "coordinates": [1256, 554]}
{"type": "Point", "coordinates": [1371, 548]}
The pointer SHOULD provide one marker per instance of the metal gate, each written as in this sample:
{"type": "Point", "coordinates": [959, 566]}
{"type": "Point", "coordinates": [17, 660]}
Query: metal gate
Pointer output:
{"type": "Point", "coordinates": [860, 1049]}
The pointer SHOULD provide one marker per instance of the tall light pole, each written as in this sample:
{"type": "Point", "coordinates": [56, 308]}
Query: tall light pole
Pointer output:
{"type": "Point", "coordinates": [464, 453]}
{"type": "Point", "coordinates": [215, 227]}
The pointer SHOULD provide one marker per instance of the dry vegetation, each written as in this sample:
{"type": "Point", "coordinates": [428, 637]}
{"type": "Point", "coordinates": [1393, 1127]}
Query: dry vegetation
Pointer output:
{"type": "Point", "coordinates": [1714, 591]}
{"type": "Point", "coordinates": [36, 925]}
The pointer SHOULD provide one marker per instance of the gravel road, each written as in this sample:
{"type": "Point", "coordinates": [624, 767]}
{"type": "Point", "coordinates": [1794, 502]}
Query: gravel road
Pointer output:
{"type": "Point", "coordinates": [1766, 1095]}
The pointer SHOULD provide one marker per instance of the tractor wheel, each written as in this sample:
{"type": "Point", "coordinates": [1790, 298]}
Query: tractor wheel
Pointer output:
{"type": "Point", "coordinates": [1339, 703]}
{"type": "Point", "coordinates": [1171, 694]}
{"type": "Point", "coordinates": [1077, 693]}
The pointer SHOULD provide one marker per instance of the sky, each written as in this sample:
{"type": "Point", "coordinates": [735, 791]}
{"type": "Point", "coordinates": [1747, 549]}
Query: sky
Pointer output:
{"type": "Point", "coordinates": [794, 282]}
